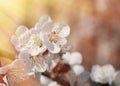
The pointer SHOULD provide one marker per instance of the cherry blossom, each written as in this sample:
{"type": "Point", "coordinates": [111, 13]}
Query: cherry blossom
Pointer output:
{"type": "Point", "coordinates": [102, 74]}
{"type": "Point", "coordinates": [54, 35]}
{"type": "Point", "coordinates": [28, 41]}
{"type": "Point", "coordinates": [15, 73]}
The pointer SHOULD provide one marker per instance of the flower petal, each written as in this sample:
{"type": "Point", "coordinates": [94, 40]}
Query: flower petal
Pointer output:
{"type": "Point", "coordinates": [66, 57]}
{"type": "Point", "coordinates": [4, 69]}
{"type": "Point", "coordinates": [44, 24]}
{"type": "Point", "coordinates": [63, 30]}
{"type": "Point", "coordinates": [26, 57]}
{"type": "Point", "coordinates": [75, 58]}
{"type": "Point", "coordinates": [14, 40]}
{"type": "Point", "coordinates": [54, 83]}
{"type": "Point", "coordinates": [53, 48]}
{"type": "Point", "coordinates": [96, 74]}
{"type": "Point", "coordinates": [45, 80]}
{"type": "Point", "coordinates": [46, 27]}
{"type": "Point", "coordinates": [40, 64]}
{"type": "Point", "coordinates": [78, 69]}
{"type": "Point", "coordinates": [61, 41]}
{"type": "Point", "coordinates": [35, 50]}
{"type": "Point", "coordinates": [18, 63]}
{"type": "Point", "coordinates": [20, 30]}
{"type": "Point", "coordinates": [45, 19]}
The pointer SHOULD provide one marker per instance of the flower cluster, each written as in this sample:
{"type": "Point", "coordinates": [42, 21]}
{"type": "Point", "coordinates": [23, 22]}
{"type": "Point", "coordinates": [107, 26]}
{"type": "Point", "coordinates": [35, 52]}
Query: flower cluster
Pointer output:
{"type": "Point", "coordinates": [45, 36]}
{"type": "Point", "coordinates": [45, 56]}
{"type": "Point", "coordinates": [39, 47]}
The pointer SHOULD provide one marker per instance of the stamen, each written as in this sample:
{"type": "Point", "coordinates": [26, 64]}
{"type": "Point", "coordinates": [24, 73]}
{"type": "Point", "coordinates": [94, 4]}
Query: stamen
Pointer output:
{"type": "Point", "coordinates": [38, 42]}
{"type": "Point", "coordinates": [53, 37]}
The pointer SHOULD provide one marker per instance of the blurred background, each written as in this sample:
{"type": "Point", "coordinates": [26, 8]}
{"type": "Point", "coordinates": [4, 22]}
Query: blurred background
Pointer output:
{"type": "Point", "coordinates": [95, 26]}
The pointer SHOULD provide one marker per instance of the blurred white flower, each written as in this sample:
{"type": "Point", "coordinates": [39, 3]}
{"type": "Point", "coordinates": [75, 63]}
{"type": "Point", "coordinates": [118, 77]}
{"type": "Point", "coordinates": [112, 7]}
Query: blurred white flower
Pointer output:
{"type": "Point", "coordinates": [78, 69]}
{"type": "Point", "coordinates": [54, 84]}
{"type": "Point", "coordinates": [21, 37]}
{"type": "Point", "coordinates": [28, 41]}
{"type": "Point", "coordinates": [54, 35]}
{"type": "Point", "coordinates": [74, 58]}
{"type": "Point", "coordinates": [15, 73]}
{"type": "Point", "coordinates": [102, 74]}
{"type": "Point", "coordinates": [44, 80]}
{"type": "Point", "coordinates": [2, 84]}
{"type": "Point", "coordinates": [116, 79]}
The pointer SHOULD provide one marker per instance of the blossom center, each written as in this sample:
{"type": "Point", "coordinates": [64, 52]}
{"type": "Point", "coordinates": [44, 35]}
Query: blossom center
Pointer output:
{"type": "Point", "coordinates": [53, 37]}
{"type": "Point", "coordinates": [38, 42]}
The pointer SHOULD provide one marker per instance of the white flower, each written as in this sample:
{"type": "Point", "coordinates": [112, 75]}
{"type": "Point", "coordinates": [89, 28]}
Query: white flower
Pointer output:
{"type": "Point", "coordinates": [78, 69]}
{"type": "Point", "coordinates": [35, 45]}
{"type": "Point", "coordinates": [21, 37]}
{"type": "Point", "coordinates": [72, 58]}
{"type": "Point", "coordinates": [28, 41]}
{"type": "Point", "coordinates": [103, 74]}
{"type": "Point", "coordinates": [54, 35]}
{"type": "Point", "coordinates": [15, 73]}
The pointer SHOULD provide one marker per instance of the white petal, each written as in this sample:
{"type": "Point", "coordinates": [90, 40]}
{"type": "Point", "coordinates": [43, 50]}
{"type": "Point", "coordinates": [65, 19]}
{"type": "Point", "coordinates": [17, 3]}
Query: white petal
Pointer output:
{"type": "Point", "coordinates": [61, 41]}
{"type": "Point", "coordinates": [18, 63]}
{"type": "Point", "coordinates": [108, 69]}
{"type": "Point", "coordinates": [63, 30]}
{"type": "Point", "coordinates": [45, 18]}
{"type": "Point", "coordinates": [4, 69]}
{"type": "Point", "coordinates": [2, 84]}
{"type": "Point", "coordinates": [40, 64]}
{"type": "Point", "coordinates": [35, 50]}
{"type": "Point", "coordinates": [14, 40]}
{"type": "Point", "coordinates": [20, 30]}
{"type": "Point", "coordinates": [53, 64]}
{"type": "Point", "coordinates": [96, 73]}
{"type": "Point", "coordinates": [78, 69]}
{"type": "Point", "coordinates": [26, 57]}
{"type": "Point", "coordinates": [109, 72]}
{"type": "Point", "coordinates": [44, 80]}
{"type": "Point", "coordinates": [23, 55]}
{"type": "Point", "coordinates": [44, 24]}
{"type": "Point", "coordinates": [53, 48]}
{"type": "Point", "coordinates": [54, 84]}
{"type": "Point", "coordinates": [45, 27]}
{"type": "Point", "coordinates": [75, 58]}
{"type": "Point", "coordinates": [37, 26]}
{"type": "Point", "coordinates": [99, 75]}
{"type": "Point", "coordinates": [66, 57]}
{"type": "Point", "coordinates": [5, 80]}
